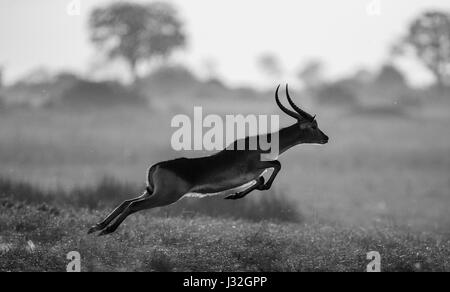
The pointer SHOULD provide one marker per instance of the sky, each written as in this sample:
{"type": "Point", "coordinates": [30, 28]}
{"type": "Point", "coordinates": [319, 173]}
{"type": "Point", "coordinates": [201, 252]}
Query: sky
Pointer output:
{"type": "Point", "coordinates": [231, 34]}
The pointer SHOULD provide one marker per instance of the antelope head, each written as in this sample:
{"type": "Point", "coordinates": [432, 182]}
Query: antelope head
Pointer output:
{"type": "Point", "coordinates": [307, 128]}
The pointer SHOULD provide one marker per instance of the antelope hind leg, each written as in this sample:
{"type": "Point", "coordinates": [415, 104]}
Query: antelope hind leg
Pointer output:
{"type": "Point", "coordinates": [156, 200]}
{"type": "Point", "coordinates": [119, 209]}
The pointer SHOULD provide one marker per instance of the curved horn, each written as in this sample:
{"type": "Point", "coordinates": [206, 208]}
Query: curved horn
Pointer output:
{"type": "Point", "coordinates": [302, 113]}
{"type": "Point", "coordinates": [284, 109]}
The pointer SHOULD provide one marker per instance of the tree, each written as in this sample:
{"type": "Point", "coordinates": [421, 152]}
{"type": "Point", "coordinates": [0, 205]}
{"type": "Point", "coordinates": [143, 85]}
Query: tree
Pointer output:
{"type": "Point", "coordinates": [312, 74]}
{"type": "Point", "coordinates": [136, 32]}
{"type": "Point", "coordinates": [210, 66]}
{"type": "Point", "coordinates": [429, 38]}
{"type": "Point", "coordinates": [271, 65]}
{"type": "Point", "coordinates": [389, 76]}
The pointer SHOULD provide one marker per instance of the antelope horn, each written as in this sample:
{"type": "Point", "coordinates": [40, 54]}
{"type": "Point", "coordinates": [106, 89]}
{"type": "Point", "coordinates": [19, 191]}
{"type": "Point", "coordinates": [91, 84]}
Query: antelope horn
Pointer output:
{"type": "Point", "coordinates": [301, 112]}
{"type": "Point", "coordinates": [283, 108]}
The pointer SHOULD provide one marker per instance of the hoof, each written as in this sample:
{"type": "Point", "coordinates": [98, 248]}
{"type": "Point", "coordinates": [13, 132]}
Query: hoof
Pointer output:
{"type": "Point", "coordinates": [94, 229]}
{"type": "Point", "coordinates": [232, 197]}
{"type": "Point", "coordinates": [105, 231]}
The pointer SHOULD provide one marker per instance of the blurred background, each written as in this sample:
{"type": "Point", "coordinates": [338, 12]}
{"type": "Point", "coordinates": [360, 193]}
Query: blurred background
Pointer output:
{"type": "Point", "coordinates": [88, 90]}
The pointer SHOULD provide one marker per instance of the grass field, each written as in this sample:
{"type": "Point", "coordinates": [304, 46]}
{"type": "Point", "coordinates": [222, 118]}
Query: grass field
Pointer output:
{"type": "Point", "coordinates": [151, 243]}
{"type": "Point", "coordinates": [382, 183]}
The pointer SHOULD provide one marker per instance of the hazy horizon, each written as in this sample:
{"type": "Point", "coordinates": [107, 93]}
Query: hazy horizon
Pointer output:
{"type": "Point", "coordinates": [230, 34]}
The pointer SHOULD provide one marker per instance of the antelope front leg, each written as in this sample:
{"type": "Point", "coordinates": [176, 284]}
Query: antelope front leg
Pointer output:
{"type": "Point", "coordinates": [276, 165]}
{"type": "Point", "coordinates": [256, 186]}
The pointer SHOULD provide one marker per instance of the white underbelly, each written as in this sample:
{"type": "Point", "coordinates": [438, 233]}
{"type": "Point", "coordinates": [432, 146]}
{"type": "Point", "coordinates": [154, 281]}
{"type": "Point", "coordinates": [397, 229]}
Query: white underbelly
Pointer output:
{"type": "Point", "coordinates": [226, 192]}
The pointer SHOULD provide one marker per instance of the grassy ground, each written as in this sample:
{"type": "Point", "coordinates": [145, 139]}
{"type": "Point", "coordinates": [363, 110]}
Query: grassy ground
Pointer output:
{"type": "Point", "coordinates": [151, 243]}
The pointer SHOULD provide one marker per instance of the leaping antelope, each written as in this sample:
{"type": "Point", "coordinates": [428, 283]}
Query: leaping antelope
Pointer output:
{"type": "Point", "coordinates": [235, 173]}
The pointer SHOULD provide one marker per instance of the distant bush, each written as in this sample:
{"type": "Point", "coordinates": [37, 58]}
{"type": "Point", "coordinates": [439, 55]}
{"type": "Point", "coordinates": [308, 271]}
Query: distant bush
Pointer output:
{"type": "Point", "coordinates": [250, 93]}
{"type": "Point", "coordinates": [212, 88]}
{"type": "Point", "coordinates": [2, 102]}
{"type": "Point", "coordinates": [380, 111]}
{"type": "Point", "coordinates": [109, 192]}
{"type": "Point", "coordinates": [336, 94]}
{"type": "Point", "coordinates": [169, 81]}
{"type": "Point", "coordinates": [437, 93]}
{"type": "Point", "coordinates": [389, 76]}
{"type": "Point", "coordinates": [99, 94]}
{"type": "Point", "coordinates": [179, 82]}
{"type": "Point", "coordinates": [29, 95]}
{"type": "Point", "coordinates": [410, 98]}
{"type": "Point", "coordinates": [169, 75]}
{"type": "Point", "coordinates": [36, 91]}
{"type": "Point", "coordinates": [389, 89]}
